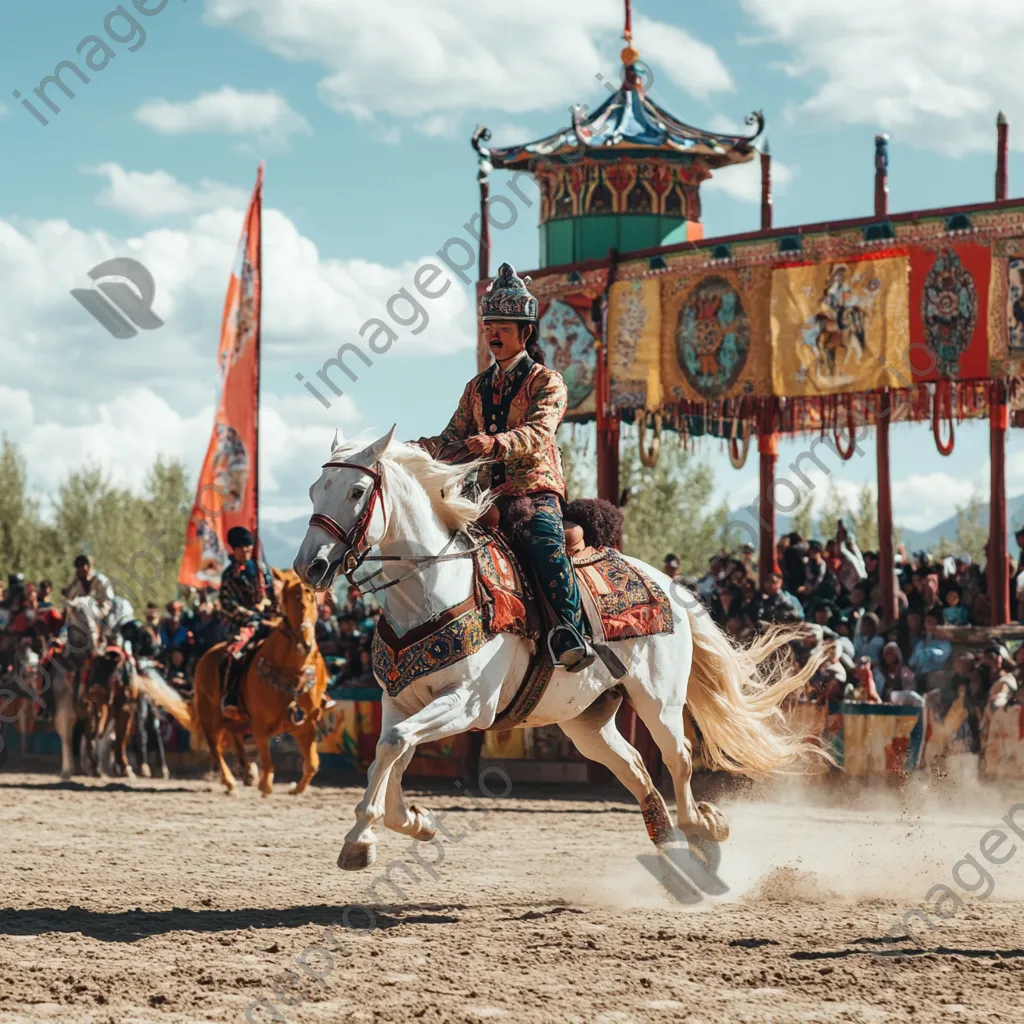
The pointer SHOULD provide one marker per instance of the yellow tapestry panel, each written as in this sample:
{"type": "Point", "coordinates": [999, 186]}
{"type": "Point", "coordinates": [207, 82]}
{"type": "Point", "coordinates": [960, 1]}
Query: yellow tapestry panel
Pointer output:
{"type": "Point", "coordinates": [634, 340]}
{"type": "Point", "coordinates": [715, 337]}
{"type": "Point", "coordinates": [840, 326]}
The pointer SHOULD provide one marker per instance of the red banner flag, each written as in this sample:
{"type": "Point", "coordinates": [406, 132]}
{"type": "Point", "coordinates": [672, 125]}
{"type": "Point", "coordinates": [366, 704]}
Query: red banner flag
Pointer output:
{"type": "Point", "coordinates": [228, 490]}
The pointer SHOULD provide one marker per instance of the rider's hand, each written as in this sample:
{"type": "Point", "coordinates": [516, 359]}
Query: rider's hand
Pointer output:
{"type": "Point", "coordinates": [480, 444]}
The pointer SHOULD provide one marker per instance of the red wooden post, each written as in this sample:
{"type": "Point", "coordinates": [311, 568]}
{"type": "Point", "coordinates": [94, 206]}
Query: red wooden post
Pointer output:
{"type": "Point", "coordinates": [767, 203]}
{"type": "Point", "coordinates": [886, 560]}
{"type": "Point", "coordinates": [881, 175]}
{"type": "Point", "coordinates": [485, 226]}
{"type": "Point", "coordinates": [998, 584]}
{"type": "Point", "coordinates": [768, 447]}
{"type": "Point", "coordinates": [1002, 157]}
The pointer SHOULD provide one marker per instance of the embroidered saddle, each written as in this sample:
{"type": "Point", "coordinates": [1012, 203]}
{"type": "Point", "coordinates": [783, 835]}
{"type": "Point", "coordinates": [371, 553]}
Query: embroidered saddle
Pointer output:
{"type": "Point", "coordinates": [620, 603]}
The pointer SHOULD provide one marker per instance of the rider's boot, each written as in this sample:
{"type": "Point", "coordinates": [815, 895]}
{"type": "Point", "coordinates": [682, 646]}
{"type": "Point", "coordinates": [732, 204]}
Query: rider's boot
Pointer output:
{"type": "Point", "coordinates": [569, 649]}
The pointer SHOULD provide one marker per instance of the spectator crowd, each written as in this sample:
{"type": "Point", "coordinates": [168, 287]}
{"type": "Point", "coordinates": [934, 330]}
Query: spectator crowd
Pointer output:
{"type": "Point", "coordinates": [833, 588]}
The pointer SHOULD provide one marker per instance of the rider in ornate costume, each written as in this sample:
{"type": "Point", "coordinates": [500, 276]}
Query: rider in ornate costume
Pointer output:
{"type": "Point", "coordinates": [508, 415]}
{"type": "Point", "coordinates": [246, 597]}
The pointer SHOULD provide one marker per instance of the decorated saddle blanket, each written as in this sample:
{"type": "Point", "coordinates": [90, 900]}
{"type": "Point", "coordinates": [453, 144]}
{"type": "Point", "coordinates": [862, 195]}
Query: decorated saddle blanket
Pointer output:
{"type": "Point", "coordinates": [621, 604]}
{"type": "Point", "coordinates": [628, 604]}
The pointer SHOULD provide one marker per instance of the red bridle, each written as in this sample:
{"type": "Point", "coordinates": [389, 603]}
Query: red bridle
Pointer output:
{"type": "Point", "coordinates": [355, 538]}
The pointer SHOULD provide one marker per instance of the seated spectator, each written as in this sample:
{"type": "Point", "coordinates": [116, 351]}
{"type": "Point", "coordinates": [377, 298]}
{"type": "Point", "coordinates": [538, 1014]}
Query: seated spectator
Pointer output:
{"type": "Point", "coordinates": [671, 566]}
{"type": "Point", "coordinates": [954, 613]}
{"type": "Point", "coordinates": [173, 629]}
{"type": "Point", "coordinates": [794, 565]}
{"type": "Point", "coordinates": [931, 653]}
{"type": "Point", "coordinates": [912, 631]}
{"type": "Point", "coordinates": [724, 601]}
{"type": "Point", "coordinates": [778, 605]}
{"type": "Point", "coordinates": [326, 629]}
{"type": "Point", "coordinates": [891, 674]}
{"type": "Point", "coordinates": [862, 685]}
{"type": "Point", "coordinates": [1003, 688]}
{"type": "Point", "coordinates": [45, 591]}
{"type": "Point", "coordinates": [866, 640]}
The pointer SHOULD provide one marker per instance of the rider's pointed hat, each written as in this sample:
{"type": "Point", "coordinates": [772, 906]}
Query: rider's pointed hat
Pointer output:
{"type": "Point", "coordinates": [508, 298]}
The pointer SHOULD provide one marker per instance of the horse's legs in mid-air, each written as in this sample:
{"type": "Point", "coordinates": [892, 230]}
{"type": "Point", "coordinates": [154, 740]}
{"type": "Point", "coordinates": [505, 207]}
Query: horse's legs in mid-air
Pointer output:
{"type": "Point", "coordinates": [596, 736]}
{"type": "Point", "coordinates": [92, 734]}
{"type": "Point", "coordinates": [410, 820]}
{"type": "Point", "coordinates": [142, 715]}
{"type": "Point", "coordinates": [447, 715]}
{"type": "Point", "coordinates": [305, 739]}
{"type": "Point", "coordinates": [250, 773]}
{"type": "Point", "coordinates": [124, 719]}
{"type": "Point", "coordinates": [155, 724]}
{"type": "Point", "coordinates": [262, 740]}
{"type": "Point", "coordinates": [664, 720]}
{"type": "Point", "coordinates": [65, 716]}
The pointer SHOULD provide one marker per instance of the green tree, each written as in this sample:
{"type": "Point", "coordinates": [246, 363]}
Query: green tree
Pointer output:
{"type": "Point", "coordinates": [137, 540]}
{"type": "Point", "coordinates": [971, 530]}
{"type": "Point", "coordinates": [865, 519]}
{"type": "Point", "coordinates": [803, 518]}
{"type": "Point", "coordinates": [833, 508]}
{"type": "Point", "coordinates": [670, 508]}
{"type": "Point", "coordinates": [579, 467]}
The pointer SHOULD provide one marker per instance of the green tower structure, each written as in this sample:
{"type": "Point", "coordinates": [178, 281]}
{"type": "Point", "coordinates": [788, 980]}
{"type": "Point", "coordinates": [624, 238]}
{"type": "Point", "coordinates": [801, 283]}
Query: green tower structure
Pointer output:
{"type": "Point", "coordinates": [626, 177]}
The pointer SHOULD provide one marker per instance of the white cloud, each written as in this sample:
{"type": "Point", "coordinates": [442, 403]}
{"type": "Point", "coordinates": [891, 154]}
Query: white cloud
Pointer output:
{"type": "Point", "coordinates": [264, 116]}
{"type": "Point", "coordinates": [743, 181]}
{"type": "Point", "coordinates": [933, 72]}
{"type": "Point", "coordinates": [159, 194]}
{"type": "Point", "coordinates": [124, 435]}
{"type": "Point", "coordinates": [412, 60]}
{"type": "Point", "coordinates": [73, 393]}
{"type": "Point", "coordinates": [685, 61]}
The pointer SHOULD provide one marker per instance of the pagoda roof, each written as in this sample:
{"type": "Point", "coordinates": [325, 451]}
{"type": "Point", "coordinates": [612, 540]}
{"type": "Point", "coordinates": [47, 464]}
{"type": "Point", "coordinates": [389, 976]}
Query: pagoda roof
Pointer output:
{"type": "Point", "coordinates": [629, 124]}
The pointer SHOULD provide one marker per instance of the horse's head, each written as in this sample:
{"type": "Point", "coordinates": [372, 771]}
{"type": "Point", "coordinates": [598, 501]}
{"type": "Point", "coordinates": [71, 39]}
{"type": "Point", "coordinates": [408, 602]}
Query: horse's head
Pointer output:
{"type": "Point", "coordinates": [299, 605]}
{"type": "Point", "coordinates": [112, 670]}
{"type": "Point", "coordinates": [82, 618]}
{"type": "Point", "coordinates": [348, 514]}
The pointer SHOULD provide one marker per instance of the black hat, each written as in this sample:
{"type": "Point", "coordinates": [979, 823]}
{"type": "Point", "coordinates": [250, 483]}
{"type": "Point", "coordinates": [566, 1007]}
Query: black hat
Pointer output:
{"type": "Point", "coordinates": [239, 537]}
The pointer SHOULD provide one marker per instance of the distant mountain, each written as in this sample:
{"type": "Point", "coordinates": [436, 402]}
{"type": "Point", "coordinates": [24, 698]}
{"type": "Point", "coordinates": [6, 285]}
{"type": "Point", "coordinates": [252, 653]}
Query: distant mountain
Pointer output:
{"type": "Point", "coordinates": [926, 540]}
{"type": "Point", "coordinates": [281, 539]}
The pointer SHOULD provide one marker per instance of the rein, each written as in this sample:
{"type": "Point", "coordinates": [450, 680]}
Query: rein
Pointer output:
{"type": "Point", "coordinates": [355, 538]}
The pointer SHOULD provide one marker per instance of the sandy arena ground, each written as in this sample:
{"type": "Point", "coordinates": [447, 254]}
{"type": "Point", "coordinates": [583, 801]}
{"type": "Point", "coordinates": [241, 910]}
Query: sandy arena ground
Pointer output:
{"type": "Point", "coordinates": [169, 902]}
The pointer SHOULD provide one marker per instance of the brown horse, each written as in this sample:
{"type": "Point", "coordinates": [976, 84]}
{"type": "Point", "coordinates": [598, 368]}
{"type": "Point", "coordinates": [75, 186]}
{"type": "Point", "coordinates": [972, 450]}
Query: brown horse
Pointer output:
{"type": "Point", "coordinates": [110, 693]}
{"type": "Point", "coordinates": [284, 690]}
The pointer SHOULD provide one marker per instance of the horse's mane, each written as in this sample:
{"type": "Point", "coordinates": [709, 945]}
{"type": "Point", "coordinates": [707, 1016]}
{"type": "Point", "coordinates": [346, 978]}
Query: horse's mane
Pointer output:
{"type": "Point", "coordinates": [408, 464]}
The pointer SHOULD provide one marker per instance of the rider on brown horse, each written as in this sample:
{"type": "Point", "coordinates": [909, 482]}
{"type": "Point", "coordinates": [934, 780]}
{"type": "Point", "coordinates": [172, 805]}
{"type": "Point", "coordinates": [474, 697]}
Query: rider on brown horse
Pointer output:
{"type": "Point", "coordinates": [246, 597]}
{"type": "Point", "coordinates": [508, 415]}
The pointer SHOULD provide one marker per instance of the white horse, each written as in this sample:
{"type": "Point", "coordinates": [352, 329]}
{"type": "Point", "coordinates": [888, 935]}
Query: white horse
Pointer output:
{"type": "Point", "coordinates": [396, 498]}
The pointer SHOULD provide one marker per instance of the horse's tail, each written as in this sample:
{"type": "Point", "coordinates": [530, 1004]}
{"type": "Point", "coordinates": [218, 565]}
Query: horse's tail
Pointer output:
{"type": "Point", "coordinates": [164, 695]}
{"type": "Point", "coordinates": [735, 695]}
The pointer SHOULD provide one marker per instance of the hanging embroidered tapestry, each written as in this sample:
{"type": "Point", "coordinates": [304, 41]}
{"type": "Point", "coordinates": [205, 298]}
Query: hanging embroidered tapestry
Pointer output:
{"type": "Point", "coordinates": [634, 340]}
{"type": "Point", "coordinates": [1006, 309]}
{"type": "Point", "coordinates": [840, 326]}
{"type": "Point", "coordinates": [715, 339]}
{"type": "Point", "coordinates": [949, 289]}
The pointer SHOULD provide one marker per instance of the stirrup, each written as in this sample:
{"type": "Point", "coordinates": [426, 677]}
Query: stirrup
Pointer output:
{"type": "Point", "coordinates": [576, 658]}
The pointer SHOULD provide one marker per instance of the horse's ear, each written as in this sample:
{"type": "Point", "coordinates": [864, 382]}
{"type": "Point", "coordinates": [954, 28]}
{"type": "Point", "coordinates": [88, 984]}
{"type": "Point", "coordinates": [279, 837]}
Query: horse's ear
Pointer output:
{"type": "Point", "coordinates": [338, 438]}
{"type": "Point", "coordinates": [277, 574]}
{"type": "Point", "coordinates": [371, 455]}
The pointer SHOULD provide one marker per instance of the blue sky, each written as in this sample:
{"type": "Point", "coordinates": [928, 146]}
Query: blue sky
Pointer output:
{"type": "Point", "coordinates": [363, 114]}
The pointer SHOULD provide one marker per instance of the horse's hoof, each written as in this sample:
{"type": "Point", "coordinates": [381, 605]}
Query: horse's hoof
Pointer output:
{"type": "Point", "coordinates": [356, 856]}
{"type": "Point", "coordinates": [65, 776]}
{"type": "Point", "coordinates": [251, 776]}
{"type": "Point", "coordinates": [129, 774]}
{"type": "Point", "coordinates": [712, 825]}
{"type": "Point", "coordinates": [165, 772]}
{"type": "Point", "coordinates": [427, 829]}
{"type": "Point", "coordinates": [145, 771]}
